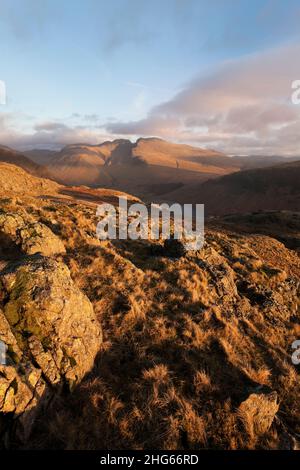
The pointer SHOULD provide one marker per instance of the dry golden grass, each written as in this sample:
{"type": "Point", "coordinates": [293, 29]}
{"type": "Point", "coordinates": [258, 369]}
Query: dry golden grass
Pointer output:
{"type": "Point", "coordinates": [185, 341]}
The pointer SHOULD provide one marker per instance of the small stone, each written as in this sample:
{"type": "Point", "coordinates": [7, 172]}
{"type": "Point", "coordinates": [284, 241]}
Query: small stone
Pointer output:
{"type": "Point", "coordinates": [261, 409]}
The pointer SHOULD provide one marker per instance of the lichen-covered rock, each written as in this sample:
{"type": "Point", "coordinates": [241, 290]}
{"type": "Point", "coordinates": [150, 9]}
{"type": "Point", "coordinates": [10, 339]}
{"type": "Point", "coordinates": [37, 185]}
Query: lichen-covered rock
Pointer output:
{"type": "Point", "coordinates": [10, 224]}
{"type": "Point", "coordinates": [22, 392]}
{"type": "Point", "coordinates": [260, 409]}
{"type": "Point", "coordinates": [50, 330]}
{"type": "Point", "coordinates": [30, 237]}
{"type": "Point", "coordinates": [22, 387]}
{"type": "Point", "coordinates": [38, 238]}
{"type": "Point", "coordinates": [221, 277]}
{"type": "Point", "coordinates": [50, 316]}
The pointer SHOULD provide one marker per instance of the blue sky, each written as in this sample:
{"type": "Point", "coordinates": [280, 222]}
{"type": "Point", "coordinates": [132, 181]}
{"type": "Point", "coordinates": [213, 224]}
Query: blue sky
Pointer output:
{"type": "Point", "coordinates": [89, 70]}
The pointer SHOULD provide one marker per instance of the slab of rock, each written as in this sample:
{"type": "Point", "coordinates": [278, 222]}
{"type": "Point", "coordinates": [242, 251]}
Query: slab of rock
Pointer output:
{"type": "Point", "coordinates": [30, 237]}
{"type": "Point", "coordinates": [10, 223]}
{"type": "Point", "coordinates": [46, 310]}
{"type": "Point", "coordinates": [262, 409]}
{"type": "Point", "coordinates": [51, 334]}
{"type": "Point", "coordinates": [38, 238]}
{"type": "Point", "coordinates": [221, 277]}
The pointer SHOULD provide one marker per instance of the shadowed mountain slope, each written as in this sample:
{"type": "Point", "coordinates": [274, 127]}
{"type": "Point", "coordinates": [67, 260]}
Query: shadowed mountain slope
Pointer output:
{"type": "Point", "coordinates": [271, 188]}
{"type": "Point", "coordinates": [14, 157]}
{"type": "Point", "coordinates": [135, 167]}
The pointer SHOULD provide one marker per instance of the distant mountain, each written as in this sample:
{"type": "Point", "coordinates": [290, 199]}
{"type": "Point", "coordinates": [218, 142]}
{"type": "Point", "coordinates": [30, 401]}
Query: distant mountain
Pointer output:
{"type": "Point", "coordinates": [260, 161]}
{"type": "Point", "coordinates": [283, 225]}
{"type": "Point", "coordinates": [159, 152]}
{"type": "Point", "coordinates": [150, 168]}
{"type": "Point", "coordinates": [272, 188]}
{"type": "Point", "coordinates": [146, 167]}
{"type": "Point", "coordinates": [14, 157]}
{"type": "Point", "coordinates": [40, 156]}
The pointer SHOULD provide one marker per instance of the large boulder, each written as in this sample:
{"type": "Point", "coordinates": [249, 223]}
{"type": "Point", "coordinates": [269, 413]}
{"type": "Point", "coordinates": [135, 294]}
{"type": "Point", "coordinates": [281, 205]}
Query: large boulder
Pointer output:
{"type": "Point", "coordinates": [38, 238]}
{"type": "Point", "coordinates": [51, 317]}
{"type": "Point", "coordinates": [29, 236]}
{"type": "Point", "coordinates": [51, 334]}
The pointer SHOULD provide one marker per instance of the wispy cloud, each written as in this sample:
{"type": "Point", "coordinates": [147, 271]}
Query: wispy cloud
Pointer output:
{"type": "Point", "coordinates": [47, 134]}
{"type": "Point", "coordinates": [49, 126]}
{"type": "Point", "coordinates": [246, 100]}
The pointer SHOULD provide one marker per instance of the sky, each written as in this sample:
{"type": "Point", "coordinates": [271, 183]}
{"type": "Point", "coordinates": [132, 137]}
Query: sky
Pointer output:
{"type": "Point", "coordinates": [214, 73]}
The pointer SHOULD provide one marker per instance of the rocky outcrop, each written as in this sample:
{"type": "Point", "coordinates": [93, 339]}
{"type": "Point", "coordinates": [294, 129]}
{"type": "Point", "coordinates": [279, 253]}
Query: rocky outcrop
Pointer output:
{"type": "Point", "coordinates": [29, 236]}
{"type": "Point", "coordinates": [38, 238]}
{"type": "Point", "coordinates": [47, 325]}
{"type": "Point", "coordinates": [221, 277]}
{"type": "Point", "coordinates": [18, 181]}
{"type": "Point", "coordinates": [51, 318]}
{"type": "Point", "coordinates": [50, 331]}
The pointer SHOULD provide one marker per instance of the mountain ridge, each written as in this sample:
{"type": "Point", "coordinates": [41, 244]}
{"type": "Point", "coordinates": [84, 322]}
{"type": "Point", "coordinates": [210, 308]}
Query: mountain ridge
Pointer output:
{"type": "Point", "coordinates": [8, 155]}
{"type": "Point", "coordinates": [270, 188]}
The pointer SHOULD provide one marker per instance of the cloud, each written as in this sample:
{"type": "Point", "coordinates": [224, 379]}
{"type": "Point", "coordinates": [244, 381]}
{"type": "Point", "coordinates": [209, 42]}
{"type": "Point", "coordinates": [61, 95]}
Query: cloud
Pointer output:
{"type": "Point", "coordinates": [91, 117]}
{"type": "Point", "coordinates": [152, 125]}
{"type": "Point", "coordinates": [51, 134]}
{"type": "Point", "coordinates": [243, 103]}
{"type": "Point", "coordinates": [50, 126]}
{"type": "Point", "coordinates": [242, 106]}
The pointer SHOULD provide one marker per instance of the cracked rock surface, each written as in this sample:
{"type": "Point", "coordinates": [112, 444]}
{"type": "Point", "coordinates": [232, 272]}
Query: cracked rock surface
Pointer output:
{"type": "Point", "coordinates": [47, 325]}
